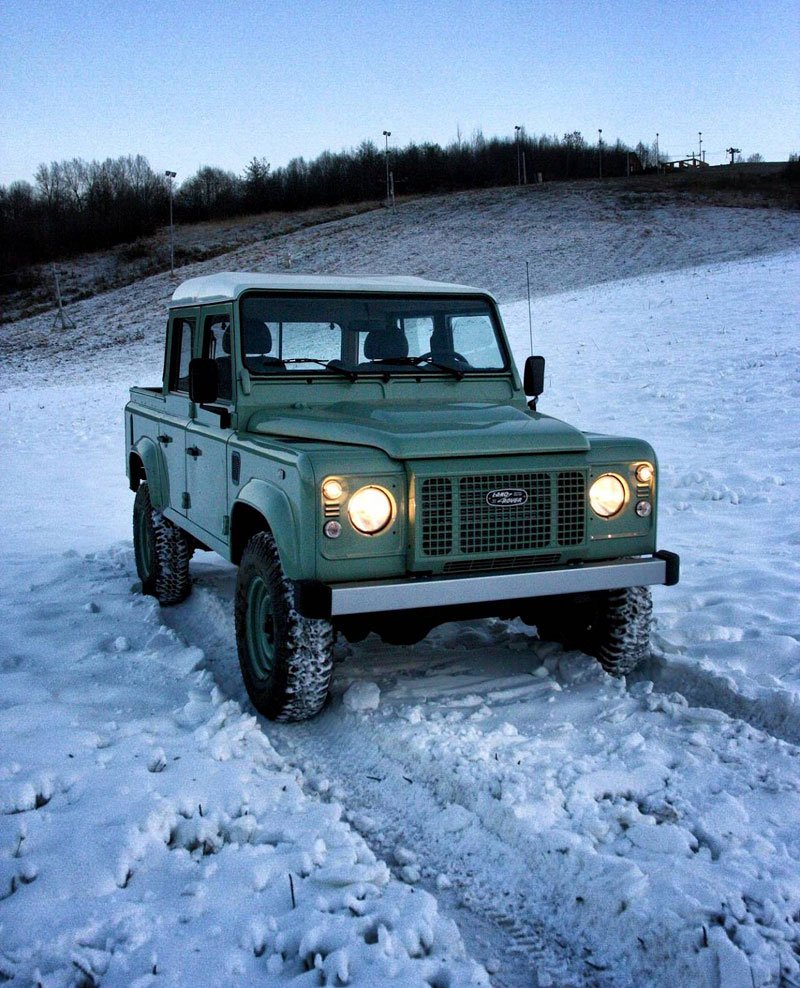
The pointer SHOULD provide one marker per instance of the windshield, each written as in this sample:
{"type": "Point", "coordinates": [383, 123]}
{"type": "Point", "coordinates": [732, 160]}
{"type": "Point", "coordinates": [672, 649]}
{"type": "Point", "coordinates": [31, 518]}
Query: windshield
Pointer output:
{"type": "Point", "coordinates": [330, 334]}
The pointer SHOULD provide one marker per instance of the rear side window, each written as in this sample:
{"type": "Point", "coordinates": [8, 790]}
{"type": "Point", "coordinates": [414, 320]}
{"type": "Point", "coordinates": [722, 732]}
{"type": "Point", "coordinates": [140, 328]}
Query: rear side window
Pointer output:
{"type": "Point", "coordinates": [181, 354]}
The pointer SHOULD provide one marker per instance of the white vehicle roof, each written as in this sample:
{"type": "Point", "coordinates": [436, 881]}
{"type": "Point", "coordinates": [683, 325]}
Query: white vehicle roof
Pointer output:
{"type": "Point", "coordinates": [229, 285]}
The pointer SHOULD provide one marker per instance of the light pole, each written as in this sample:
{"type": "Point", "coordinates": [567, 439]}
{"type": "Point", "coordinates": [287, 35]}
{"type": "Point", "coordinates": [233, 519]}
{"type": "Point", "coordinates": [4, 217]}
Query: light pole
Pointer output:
{"type": "Point", "coordinates": [700, 139]}
{"type": "Point", "coordinates": [600, 150]}
{"type": "Point", "coordinates": [658, 156]}
{"type": "Point", "coordinates": [387, 134]}
{"type": "Point", "coordinates": [517, 134]}
{"type": "Point", "coordinates": [170, 176]}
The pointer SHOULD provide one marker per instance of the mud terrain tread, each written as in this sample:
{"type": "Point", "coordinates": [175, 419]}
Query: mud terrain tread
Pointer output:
{"type": "Point", "coordinates": [299, 684]}
{"type": "Point", "coordinates": [613, 626]}
{"type": "Point", "coordinates": [620, 639]}
{"type": "Point", "coordinates": [168, 578]}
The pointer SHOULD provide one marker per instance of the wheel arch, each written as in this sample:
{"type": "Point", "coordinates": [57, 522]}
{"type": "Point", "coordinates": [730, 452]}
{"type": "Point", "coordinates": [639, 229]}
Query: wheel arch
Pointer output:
{"type": "Point", "coordinates": [136, 471]}
{"type": "Point", "coordinates": [262, 507]}
{"type": "Point", "coordinates": [145, 462]}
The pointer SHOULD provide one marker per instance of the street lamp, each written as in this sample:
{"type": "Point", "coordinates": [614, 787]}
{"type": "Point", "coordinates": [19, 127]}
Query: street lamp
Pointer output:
{"type": "Point", "coordinates": [600, 150]}
{"type": "Point", "coordinates": [517, 136]}
{"type": "Point", "coordinates": [658, 156]}
{"type": "Point", "coordinates": [387, 134]}
{"type": "Point", "coordinates": [170, 176]}
{"type": "Point", "coordinates": [700, 139]}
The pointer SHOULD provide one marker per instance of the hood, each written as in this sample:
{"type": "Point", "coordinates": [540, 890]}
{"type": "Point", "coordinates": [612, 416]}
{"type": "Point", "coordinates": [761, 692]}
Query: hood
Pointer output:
{"type": "Point", "coordinates": [424, 431]}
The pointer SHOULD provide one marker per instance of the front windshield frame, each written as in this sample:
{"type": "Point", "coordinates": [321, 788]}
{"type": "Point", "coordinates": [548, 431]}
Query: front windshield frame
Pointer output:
{"type": "Point", "coordinates": [469, 305]}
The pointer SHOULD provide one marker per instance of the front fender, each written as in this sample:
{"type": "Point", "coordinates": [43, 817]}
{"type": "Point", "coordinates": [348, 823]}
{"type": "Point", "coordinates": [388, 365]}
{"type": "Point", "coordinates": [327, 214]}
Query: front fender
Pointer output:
{"type": "Point", "coordinates": [276, 508]}
{"type": "Point", "coordinates": [155, 470]}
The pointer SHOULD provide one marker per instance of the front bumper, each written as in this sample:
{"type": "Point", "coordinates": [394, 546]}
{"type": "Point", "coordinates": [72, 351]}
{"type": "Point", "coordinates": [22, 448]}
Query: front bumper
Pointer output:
{"type": "Point", "coordinates": [320, 600]}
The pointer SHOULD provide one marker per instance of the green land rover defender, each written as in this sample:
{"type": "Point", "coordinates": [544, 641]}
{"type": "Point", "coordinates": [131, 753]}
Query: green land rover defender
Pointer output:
{"type": "Point", "coordinates": [363, 449]}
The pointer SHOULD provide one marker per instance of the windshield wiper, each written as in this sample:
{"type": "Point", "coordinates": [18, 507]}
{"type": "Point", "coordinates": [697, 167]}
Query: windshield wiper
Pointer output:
{"type": "Point", "coordinates": [351, 375]}
{"type": "Point", "coordinates": [427, 359]}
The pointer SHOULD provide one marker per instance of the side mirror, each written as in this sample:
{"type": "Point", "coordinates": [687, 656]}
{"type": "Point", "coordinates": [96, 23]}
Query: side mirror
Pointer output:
{"type": "Point", "coordinates": [534, 376]}
{"type": "Point", "coordinates": [203, 380]}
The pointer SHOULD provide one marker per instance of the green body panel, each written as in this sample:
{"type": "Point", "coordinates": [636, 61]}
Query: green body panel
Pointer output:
{"type": "Point", "coordinates": [425, 430]}
{"type": "Point", "coordinates": [155, 471]}
{"type": "Point", "coordinates": [270, 449]}
{"type": "Point", "coordinates": [274, 505]}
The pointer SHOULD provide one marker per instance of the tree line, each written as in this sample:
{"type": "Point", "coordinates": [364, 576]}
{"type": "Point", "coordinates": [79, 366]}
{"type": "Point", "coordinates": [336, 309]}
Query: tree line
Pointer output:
{"type": "Point", "coordinates": [76, 206]}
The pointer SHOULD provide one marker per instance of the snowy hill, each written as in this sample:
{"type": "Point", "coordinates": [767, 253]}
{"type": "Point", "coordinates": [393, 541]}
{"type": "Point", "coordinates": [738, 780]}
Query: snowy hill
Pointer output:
{"type": "Point", "coordinates": [498, 811]}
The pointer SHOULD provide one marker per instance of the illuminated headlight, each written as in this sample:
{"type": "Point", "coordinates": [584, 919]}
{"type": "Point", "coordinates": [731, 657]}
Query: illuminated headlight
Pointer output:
{"type": "Point", "coordinates": [644, 473]}
{"type": "Point", "coordinates": [332, 489]}
{"type": "Point", "coordinates": [607, 495]}
{"type": "Point", "coordinates": [370, 510]}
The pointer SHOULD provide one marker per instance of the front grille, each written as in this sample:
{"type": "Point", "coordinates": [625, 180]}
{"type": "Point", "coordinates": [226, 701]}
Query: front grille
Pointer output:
{"type": "Point", "coordinates": [502, 563]}
{"type": "Point", "coordinates": [571, 507]}
{"type": "Point", "coordinates": [437, 516]}
{"type": "Point", "coordinates": [504, 529]}
{"type": "Point", "coordinates": [458, 517]}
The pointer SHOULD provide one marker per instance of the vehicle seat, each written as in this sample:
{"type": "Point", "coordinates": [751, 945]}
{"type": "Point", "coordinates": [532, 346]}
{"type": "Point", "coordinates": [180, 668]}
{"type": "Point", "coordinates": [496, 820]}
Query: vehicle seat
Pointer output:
{"type": "Point", "coordinates": [257, 345]}
{"type": "Point", "coordinates": [384, 345]}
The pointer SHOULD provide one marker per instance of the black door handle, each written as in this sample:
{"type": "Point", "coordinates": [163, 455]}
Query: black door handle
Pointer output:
{"type": "Point", "coordinates": [194, 451]}
{"type": "Point", "coordinates": [164, 439]}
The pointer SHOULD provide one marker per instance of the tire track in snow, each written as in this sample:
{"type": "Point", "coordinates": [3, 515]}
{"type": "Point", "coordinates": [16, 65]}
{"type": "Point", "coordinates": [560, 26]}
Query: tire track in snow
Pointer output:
{"type": "Point", "coordinates": [776, 712]}
{"type": "Point", "coordinates": [491, 908]}
{"type": "Point", "coordinates": [494, 923]}
{"type": "Point", "coordinates": [365, 762]}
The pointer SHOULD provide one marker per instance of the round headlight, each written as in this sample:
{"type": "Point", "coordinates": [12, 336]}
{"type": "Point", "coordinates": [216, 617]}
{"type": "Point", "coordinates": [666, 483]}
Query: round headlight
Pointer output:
{"type": "Point", "coordinates": [644, 473]}
{"type": "Point", "coordinates": [370, 510]}
{"type": "Point", "coordinates": [607, 495]}
{"type": "Point", "coordinates": [332, 489]}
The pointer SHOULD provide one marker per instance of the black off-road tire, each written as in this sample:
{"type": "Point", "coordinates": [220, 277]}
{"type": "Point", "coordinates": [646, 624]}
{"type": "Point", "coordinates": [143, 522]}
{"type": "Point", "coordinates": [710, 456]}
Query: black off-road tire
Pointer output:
{"type": "Point", "coordinates": [620, 637]}
{"type": "Point", "coordinates": [286, 659]}
{"type": "Point", "coordinates": [162, 552]}
{"type": "Point", "coordinates": [613, 626]}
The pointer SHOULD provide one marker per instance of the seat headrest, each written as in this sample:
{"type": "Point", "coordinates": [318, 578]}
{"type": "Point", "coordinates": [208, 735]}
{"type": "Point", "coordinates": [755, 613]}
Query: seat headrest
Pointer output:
{"type": "Point", "coordinates": [257, 337]}
{"type": "Point", "coordinates": [385, 344]}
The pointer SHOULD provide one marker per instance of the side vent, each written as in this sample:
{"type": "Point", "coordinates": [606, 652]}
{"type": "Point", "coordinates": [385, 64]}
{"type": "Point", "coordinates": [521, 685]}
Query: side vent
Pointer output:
{"type": "Point", "coordinates": [236, 467]}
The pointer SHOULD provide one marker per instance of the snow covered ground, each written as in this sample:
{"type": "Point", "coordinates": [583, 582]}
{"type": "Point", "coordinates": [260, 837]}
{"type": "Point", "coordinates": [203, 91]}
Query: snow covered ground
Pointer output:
{"type": "Point", "coordinates": [479, 809]}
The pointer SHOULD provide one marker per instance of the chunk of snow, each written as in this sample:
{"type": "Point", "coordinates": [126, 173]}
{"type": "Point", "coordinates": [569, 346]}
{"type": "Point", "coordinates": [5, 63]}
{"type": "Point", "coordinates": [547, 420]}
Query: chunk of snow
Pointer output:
{"type": "Point", "coordinates": [361, 697]}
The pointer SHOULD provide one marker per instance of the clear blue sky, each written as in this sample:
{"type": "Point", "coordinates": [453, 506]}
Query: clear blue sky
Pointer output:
{"type": "Point", "coordinates": [207, 82]}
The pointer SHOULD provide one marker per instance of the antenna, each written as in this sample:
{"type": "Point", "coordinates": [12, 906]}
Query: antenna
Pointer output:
{"type": "Point", "coordinates": [530, 317]}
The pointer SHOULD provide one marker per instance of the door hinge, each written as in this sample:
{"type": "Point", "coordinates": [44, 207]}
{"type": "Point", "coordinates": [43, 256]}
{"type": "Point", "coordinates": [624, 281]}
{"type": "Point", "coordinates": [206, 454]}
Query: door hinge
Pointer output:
{"type": "Point", "coordinates": [186, 501]}
{"type": "Point", "coordinates": [164, 439]}
{"type": "Point", "coordinates": [226, 524]}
